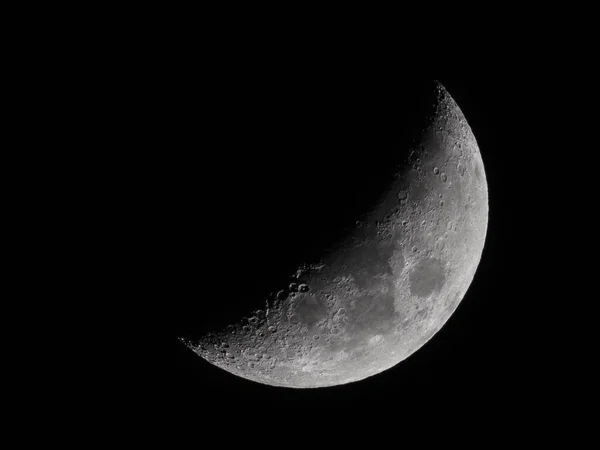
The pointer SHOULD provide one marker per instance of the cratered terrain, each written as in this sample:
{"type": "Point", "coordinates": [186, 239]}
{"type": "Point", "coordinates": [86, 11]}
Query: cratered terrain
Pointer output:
{"type": "Point", "coordinates": [380, 290]}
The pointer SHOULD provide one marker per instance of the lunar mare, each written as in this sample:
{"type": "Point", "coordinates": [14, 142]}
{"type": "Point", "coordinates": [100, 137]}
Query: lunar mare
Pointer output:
{"type": "Point", "coordinates": [387, 289]}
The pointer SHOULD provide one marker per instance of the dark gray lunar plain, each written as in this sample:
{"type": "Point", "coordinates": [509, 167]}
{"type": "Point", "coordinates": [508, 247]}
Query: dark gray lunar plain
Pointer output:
{"type": "Point", "coordinates": [385, 292]}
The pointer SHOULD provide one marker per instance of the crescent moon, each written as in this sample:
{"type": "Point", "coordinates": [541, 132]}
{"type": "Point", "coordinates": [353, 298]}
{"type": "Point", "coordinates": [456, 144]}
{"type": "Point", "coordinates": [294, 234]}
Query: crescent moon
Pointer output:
{"type": "Point", "coordinates": [388, 288]}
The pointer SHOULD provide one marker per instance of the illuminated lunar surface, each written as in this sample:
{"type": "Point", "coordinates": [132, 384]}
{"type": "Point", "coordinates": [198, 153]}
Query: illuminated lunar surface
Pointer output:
{"type": "Point", "coordinates": [387, 289]}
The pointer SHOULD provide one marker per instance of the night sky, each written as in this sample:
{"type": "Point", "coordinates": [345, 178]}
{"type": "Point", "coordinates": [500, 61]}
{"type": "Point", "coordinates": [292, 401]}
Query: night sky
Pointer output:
{"type": "Point", "coordinates": [232, 192]}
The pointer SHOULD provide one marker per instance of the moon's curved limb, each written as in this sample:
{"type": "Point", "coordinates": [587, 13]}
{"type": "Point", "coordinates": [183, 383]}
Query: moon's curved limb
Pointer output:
{"type": "Point", "coordinates": [388, 289]}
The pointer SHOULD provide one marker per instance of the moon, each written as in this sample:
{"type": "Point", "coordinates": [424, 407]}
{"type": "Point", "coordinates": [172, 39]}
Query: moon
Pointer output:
{"type": "Point", "coordinates": [387, 288]}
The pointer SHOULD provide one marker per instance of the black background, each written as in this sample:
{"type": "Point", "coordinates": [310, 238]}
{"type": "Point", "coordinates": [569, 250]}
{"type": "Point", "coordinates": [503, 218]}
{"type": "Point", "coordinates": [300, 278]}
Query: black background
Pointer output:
{"type": "Point", "coordinates": [230, 201]}
{"type": "Point", "coordinates": [203, 193]}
